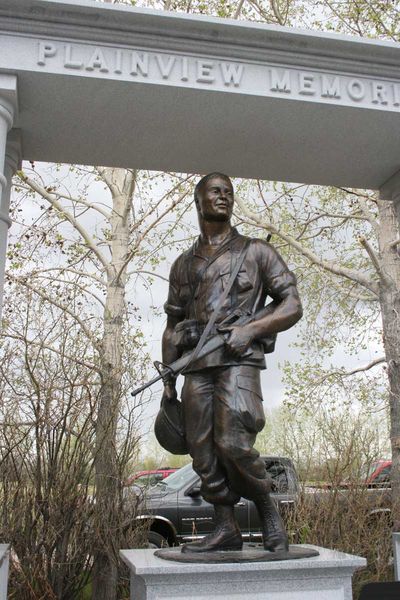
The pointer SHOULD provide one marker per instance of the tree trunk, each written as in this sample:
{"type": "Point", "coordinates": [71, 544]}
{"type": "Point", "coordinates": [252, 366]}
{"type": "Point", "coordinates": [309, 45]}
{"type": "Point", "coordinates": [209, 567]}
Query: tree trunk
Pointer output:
{"type": "Point", "coordinates": [107, 519]}
{"type": "Point", "coordinates": [389, 231]}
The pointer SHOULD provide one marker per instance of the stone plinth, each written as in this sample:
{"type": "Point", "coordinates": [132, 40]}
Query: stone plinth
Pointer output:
{"type": "Point", "coordinates": [323, 577]}
{"type": "Point", "coordinates": [4, 558]}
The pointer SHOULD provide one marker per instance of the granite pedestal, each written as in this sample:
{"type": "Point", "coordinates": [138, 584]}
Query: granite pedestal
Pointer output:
{"type": "Point", "coordinates": [4, 559]}
{"type": "Point", "coordinates": [323, 577]}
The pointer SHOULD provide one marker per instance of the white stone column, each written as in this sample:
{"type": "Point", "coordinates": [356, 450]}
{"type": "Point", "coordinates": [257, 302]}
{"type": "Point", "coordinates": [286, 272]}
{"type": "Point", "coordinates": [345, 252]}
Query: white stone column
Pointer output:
{"type": "Point", "coordinates": [391, 191]}
{"type": "Point", "coordinates": [8, 107]}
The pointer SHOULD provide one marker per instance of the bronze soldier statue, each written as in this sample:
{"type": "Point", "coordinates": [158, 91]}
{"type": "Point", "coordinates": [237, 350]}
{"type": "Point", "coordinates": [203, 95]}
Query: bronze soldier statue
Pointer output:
{"type": "Point", "coordinates": [221, 396]}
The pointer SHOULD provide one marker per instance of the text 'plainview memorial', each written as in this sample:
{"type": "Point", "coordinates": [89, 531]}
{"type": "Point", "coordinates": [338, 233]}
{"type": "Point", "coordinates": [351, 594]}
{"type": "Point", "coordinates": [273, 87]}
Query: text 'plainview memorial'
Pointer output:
{"type": "Point", "coordinates": [218, 74]}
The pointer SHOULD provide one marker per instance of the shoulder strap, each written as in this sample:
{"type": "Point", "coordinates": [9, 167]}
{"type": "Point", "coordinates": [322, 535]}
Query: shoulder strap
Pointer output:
{"type": "Point", "coordinates": [194, 285]}
{"type": "Point", "coordinates": [221, 301]}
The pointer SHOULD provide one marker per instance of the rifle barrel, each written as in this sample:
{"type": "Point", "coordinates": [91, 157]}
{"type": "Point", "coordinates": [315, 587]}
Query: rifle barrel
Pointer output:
{"type": "Point", "coordinates": [145, 385]}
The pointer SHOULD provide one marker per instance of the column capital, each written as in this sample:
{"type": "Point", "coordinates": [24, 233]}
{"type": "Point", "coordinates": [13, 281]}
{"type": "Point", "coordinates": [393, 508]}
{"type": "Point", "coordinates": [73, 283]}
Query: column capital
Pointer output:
{"type": "Point", "coordinates": [12, 162]}
{"type": "Point", "coordinates": [13, 159]}
{"type": "Point", "coordinates": [8, 109]}
{"type": "Point", "coordinates": [8, 98]}
{"type": "Point", "coordinates": [390, 190]}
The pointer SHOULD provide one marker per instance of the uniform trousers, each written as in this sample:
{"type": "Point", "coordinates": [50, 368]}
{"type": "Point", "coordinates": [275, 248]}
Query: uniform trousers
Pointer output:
{"type": "Point", "coordinates": [223, 413]}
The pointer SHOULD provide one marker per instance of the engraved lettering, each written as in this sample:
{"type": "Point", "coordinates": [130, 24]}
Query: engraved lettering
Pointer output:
{"type": "Point", "coordinates": [118, 62]}
{"type": "Point", "coordinates": [97, 61]}
{"type": "Point", "coordinates": [140, 64]}
{"type": "Point", "coordinates": [362, 90]}
{"type": "Point", "coordinates": [356, 89]}
{"type": "Point", "coordinates": [165, 67]}
{"type": "Point", "coordinates": [231, 73]}
{"type": "Point", "coordinates": [330, 88]}
{"type": "Point", "coordinates": [204, 68]}
{"type": "Point", "coordinates": [46, 50]}
{"type": "Point", "coordinates": [68, 62]}
{"type": "Point", "coordinates": [379, 93]}
{"type": "Point", "coordinates": [185, 69]}
{"type": "Point", "coordinates": [280, 83]}
{"type": "Point", "coordinates": [306, 81]}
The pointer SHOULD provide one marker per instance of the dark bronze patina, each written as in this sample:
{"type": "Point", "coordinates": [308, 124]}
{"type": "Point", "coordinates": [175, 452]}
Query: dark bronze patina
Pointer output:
{"type": "Point", "coordinates": [222, 408]}
{"type": "Point", "coordinates": [249, 553]}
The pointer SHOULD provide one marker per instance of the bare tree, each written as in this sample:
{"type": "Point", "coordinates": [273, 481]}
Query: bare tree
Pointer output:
{"type": "Point", "coordinates": [349, 239]}
{"type": "Point", "coordinates": [102, 245]}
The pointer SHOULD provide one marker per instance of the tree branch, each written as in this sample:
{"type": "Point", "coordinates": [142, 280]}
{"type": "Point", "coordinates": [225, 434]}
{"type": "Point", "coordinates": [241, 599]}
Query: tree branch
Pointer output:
{"type": "Point", "coordinates": [238, 9]}
{"type": "Point", "coordinates": [69, 270]}
{"type": "Point", "coordinates": [74, 222]}
{"type": "Point", "coordinates": [367, 367]}
{"type": "Point", "coordinates": [374, 258]}
{"type": "Point", "coordinates": [146, 231]}
{"type": "Point", "coordinates": [342, 373]}
{"type": "Point", "coordinates": [277, 12]}
{"type": "Point", "coordinates": [352, 294]}
{"type": "Point", "coordinates": [23, 281]}
{"type": "Point", "coordinates": [311, 256]}
{"type": "Point", "coordinates": [154, 207]}
{"type": "Point", "coordinates": [148, 273]}
{"type": "Point", "coordinates": [103, 212]}
{"type": "Point", "coordinates": [51, 349]}
{"type": "Point", "coordinates": [368, 215]}
{"type": "Point", "coordinates": [394, 244]}
{"type": "Point", "coordinates": [74, 283]}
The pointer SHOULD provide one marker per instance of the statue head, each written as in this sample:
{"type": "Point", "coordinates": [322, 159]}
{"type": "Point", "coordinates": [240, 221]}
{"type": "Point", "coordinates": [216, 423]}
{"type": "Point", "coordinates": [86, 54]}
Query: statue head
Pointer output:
{"type": "Point", "coordinates": [214, 197]}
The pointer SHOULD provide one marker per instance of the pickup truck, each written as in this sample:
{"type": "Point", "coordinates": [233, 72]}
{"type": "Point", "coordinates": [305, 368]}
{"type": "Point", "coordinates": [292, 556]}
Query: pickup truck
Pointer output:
{"type": "Point", "coordinates": [175, 512]}
{"type": "Point", "coordinates": [378, 473]}
{"type": "Point", "coordinates": [149, 478]}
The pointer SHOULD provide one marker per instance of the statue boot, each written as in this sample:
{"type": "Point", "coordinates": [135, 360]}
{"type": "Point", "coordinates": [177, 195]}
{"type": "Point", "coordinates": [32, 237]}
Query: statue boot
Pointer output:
{"type": "Point", "coordinates": [226, 535]}
{"type": "Point", "coordinates": [274, 535]}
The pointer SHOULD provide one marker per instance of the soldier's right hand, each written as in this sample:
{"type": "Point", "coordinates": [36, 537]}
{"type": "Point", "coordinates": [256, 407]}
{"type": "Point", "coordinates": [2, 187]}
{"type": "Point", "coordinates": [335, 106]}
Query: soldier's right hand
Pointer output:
{"type": "Point", "coordinates": [169, 392]}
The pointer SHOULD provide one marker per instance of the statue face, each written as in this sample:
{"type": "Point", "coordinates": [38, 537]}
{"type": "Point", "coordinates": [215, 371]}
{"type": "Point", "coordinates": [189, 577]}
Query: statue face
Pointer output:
{"type": "Point", "coordinates": [215, 200]}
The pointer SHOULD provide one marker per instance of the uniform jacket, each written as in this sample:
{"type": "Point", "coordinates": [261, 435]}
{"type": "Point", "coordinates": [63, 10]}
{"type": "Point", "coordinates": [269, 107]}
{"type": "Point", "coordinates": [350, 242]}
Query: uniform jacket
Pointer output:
{"type": "Point", "coordinates": [196, 283]}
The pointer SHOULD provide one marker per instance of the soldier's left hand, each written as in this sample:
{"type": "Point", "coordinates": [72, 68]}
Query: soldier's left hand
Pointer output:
{"type": "Point", "coordinates": [238, 341]}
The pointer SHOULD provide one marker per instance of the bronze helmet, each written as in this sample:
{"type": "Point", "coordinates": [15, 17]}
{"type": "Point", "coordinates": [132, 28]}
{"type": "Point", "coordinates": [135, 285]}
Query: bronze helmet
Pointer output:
{"type": "Point", "coordinates": [169, 428]}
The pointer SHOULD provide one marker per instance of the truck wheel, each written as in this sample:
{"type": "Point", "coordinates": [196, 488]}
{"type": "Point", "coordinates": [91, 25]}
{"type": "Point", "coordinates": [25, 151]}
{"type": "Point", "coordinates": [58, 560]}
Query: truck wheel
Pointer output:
{"type": "Point", "coordinates": [155, 540]}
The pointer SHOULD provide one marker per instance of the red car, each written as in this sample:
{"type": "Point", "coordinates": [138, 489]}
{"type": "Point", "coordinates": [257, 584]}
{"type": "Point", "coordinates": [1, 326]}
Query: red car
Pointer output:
{"type": "Point", "coordinates": [149, 478]}
{"type": "Point", "coordinates": [378, 472]}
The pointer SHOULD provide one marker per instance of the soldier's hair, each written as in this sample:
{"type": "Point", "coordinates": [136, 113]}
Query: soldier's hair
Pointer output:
{"type": "Point", "coordinates": [204, 180]}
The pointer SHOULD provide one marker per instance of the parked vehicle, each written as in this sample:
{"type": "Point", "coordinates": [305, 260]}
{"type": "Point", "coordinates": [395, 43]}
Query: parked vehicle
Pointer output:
{"type": "Point", "coordinates": [378, 473]}
{"type": "Point", "coordinates": [150, 477]}
{"type": "Point", "coordinates": [177, 513]}
{"type": "Point", "coordinates": [370, 495]}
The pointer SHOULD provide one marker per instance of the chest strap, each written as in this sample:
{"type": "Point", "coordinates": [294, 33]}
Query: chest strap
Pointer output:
{"type": "Point", "coordinates": [221, 301]}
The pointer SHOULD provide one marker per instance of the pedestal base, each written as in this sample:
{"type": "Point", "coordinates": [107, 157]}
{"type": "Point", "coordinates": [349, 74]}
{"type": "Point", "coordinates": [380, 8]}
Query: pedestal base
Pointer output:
{"type": "Point", "coordinates": [4, 559]}
{"type": "Point", "coordinates": [396, 555]}
{"type": "Point", "coordinates": [323, 577]}
{"type": "Point", "coordinates": [250, 553]}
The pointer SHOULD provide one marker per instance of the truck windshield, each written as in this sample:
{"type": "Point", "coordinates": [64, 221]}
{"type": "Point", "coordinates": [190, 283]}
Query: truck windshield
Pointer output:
{"type": "Point", "coordinates": [178, 479]}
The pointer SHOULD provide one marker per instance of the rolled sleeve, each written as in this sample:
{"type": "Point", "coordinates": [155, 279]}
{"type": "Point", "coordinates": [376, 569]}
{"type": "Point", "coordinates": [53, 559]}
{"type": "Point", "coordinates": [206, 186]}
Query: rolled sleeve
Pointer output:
{"type": "Point", "coordinates": [277, 278]}
{"type": "Point", "coordinates": [279, 284]}
{"type": "Point", "coordinates": [174, 306]}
